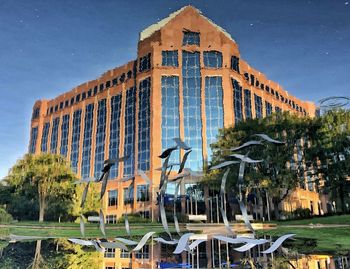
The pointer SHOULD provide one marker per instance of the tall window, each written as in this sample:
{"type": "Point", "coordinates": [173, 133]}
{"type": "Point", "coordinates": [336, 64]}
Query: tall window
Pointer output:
{"type": "Point", "coordinates": [113, 198]}
{"type": "Point", "coordinates": [64, 135]}
{"type": "Point", "coordinates": [74, 155]}
{"type": "Point", "coordinates": [36, 113]}
{"type": "Point", "coordinates": [191, 38]}
{"type": "Point", "coordinates": [237, 101]}
{"type": "Point", "coordinates": [170, 58]}
{"type": "Point", "coordinates": [268, 108]}
{"type": "Point", "coordinates": [258, 106]}
{"type": "Point", "coordinates": [145, 63]}
{"type": "Point", "coordinates": [144, 124]}
{"type": "Point", "coordinates": [235, 63]}
{"type": "Point", "coordinates": [170, 114]}
{"type": "Point", "coordinates": [213, 110]}
{"type": "Point", "coordinates": [129, 136]}
{"type": "Point", "coordinates": [142, 193]}
{"type": "Point", "coordinates": [54, 135]}
{"type": "Point", "coordinates": [100, 137]}
{"type": "Point", "coordinates": [212, 59]}
{"type": "Point", "coordinates": [45, 136]}
{"type": "Point", "coordinates": [129, 194]}
{"type": "Point", "coordinates": [247, 104]}
{"type": "Point", "coordinates": [88, 123]}
{"type": "Point", "coordinates": [33, 139]}
{"type": "Point", "coordinates": [114, 134]}
{"type": "Point", "coordinates": [192, 107]}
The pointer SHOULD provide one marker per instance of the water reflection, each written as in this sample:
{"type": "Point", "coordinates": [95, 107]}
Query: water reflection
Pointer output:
{"type": "Point", "coordinates": [61, 253]}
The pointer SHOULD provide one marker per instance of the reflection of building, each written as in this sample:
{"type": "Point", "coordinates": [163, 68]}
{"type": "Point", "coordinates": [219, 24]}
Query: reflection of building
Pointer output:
{"type": "Point", "coordinates": [188, 81]}
{"type": "Point", "coordinates": [321, 262]}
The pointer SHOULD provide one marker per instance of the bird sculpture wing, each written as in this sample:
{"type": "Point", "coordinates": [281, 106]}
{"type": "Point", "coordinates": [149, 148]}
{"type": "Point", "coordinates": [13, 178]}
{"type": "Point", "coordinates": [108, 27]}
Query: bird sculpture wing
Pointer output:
{"type": "Point", "coordinates": [143, 241]}
{"type": "Point", "coordinates": [245, 158]}
{"type": "Point", "coordinates": [223, 164]}
{"type": "Point", "coordinates": [104, 184]}
{"type": "Point", "coordinates": [144, 176]}
{"type": "Point", "coordinates": [167, 152]}
{"type": "Point", "coordinates": [183, 243]}
{"type": "Point", "coordinates": [277, 243]}
{"type": "Point", "coordinates": [85, 192]}
{"type": "Point", "coordinates": [82, 226]}
{"type": "Point", "coordinates": [181, 144]}
{"type": "Point", "coordinates": [102, 223]}
{"type": "Point", "coordinates": [247, 144]}
{"type": "Point", "coordinates": [183, 162]}
{"type": "Point", "coordinates": [269, 139]}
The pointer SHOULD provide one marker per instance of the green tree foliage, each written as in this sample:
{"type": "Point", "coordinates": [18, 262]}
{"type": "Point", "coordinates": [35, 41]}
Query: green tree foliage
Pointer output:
{"type": "Point", "coordinates": [329, 153]}
{"type": "Point", "coordinates": [39, 185]}
{"type": "Point", "coordinates": [279, 173]}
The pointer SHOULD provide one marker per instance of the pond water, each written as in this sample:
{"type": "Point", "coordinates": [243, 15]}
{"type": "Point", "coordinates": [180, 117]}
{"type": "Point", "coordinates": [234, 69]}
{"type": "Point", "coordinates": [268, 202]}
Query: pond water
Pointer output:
{"type": "Point", "coordinates": [61, 253]}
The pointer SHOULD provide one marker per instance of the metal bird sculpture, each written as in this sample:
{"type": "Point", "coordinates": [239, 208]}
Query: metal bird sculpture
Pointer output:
{"type": "Point", "coordinates": [183, 162]}
{"type": "Point", "coordinates": [181, 144]}
{"type": "Point", "coordinates": [247, 144]}
{"type": "Point", "coordinates": [167, 152]}
{"type": "Point", "coordinates": [223, 164]}
{"type": "Point", "coordinates": [277, 243]}
{"type": "Point", "coordinates": [82, 226]}
{"type": "Point", "coordinates": [245, 158]}
{"type": "Point", "coordinates": [102, 223]}
{"type": "Point", "coordinates": [144, 177]}
{"type": "Point", "coordinates": [269, 139]}
{"type": "Point", "coordinates": [85, 192]}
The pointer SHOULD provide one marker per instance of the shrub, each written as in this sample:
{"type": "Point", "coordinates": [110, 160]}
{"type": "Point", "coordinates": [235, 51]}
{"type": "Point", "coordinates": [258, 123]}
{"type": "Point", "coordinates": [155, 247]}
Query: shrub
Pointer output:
{"type": "Point", "coordinates": [134, 218]}
{"type": "Point", "coordinates": [302, 213]}
{"type": "Point", "coordinates": [4, 216]}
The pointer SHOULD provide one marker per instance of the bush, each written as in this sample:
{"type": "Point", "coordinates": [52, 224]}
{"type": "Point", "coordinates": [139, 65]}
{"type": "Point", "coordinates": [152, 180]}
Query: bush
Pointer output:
{"type": "Point", "coordinates": [4, 216]}
{"type": "Point", "coordinates": [302, 213]}
{"type": "Point", "coordinates": [134, 218]}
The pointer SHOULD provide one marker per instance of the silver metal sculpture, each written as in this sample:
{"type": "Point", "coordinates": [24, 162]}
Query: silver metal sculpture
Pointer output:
{"type": "Point", "coordinates": [102, 223]}
{"type": "Point", "coordinates": [94, 243]}
{"type": "Point", "coordinates": [82, 226]}
{"type": "Point", "coordinates": [176, 222]}
{"type": "Point", "coordinates": [245, 216]}
{"type": "Point", "coordinates": [269, 139]}
{"type": "Point", "coordinates": [333, 102]}
{"type": "Point", "coordinates": [183, 243]}
{"type": "Point", "coordinates": [166, 242]}
{"type": "Point", "coordinates": [247, 144]}
{"type": "Point", "coordinates": [245, 158]}
{"type": "Point", "coordinates": [84, 196]}
{"type": "Point", "coordinates": [166, 153]}
{"type": "Point", "coordinates": [222, 196]}
{"type": "Point", "coordinates": [277, 243]}
{"type": "Point", "coordinates": [183, 162]}
{"type": "Point", "coordinates": [127, 242]}
{"type": "Point", "coordinates": [113, 245]}
{"type": "Point", "coordinates": [181, 144]}
{"type": "Point", "coordinates": [223, 164]}
{"type": "Point", "coordinates": [143, 241]}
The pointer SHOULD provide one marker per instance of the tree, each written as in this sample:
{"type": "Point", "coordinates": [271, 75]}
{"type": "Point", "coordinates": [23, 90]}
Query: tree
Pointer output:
{"type": "Point", "coordinates": [329, 153]}
{"type": "Point", "coordinates": [42, 179]}
{"type": "Point", "coordinates": [280, 172]}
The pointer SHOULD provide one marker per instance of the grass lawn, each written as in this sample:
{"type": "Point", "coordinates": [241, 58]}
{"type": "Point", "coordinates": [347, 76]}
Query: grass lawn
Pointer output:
{"type": "Point", "coordinates": [313, 239]}
{"type": "Point", "coordinates": [342, 219]}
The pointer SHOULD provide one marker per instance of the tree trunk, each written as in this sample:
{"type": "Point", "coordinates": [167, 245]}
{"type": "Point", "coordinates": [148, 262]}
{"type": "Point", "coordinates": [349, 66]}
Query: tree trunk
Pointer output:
{"type": "Point", "coordinates": [37, 261]}
{"type": "Point", "coordinates": [275, 208]}
{"type": "Point", "coordinates": [342, 199]}
{"type": "Point", "coordinates": [42, 205]}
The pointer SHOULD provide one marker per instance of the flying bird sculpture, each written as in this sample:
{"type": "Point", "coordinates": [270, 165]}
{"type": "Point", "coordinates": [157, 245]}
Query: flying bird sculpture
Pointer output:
{"type": "Point", "coordinates": [181, 144]}
{"type": "Point", "coordinates": [269, 139]}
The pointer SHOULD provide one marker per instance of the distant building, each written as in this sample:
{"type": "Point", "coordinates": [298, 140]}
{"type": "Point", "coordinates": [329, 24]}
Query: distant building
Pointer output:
{"type": "Point", "coordinates": [188, 81]}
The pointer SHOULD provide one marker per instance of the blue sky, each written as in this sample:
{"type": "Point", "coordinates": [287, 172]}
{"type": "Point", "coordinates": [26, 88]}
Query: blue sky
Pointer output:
{"type": "Point", "coordinates": [47, 47]}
